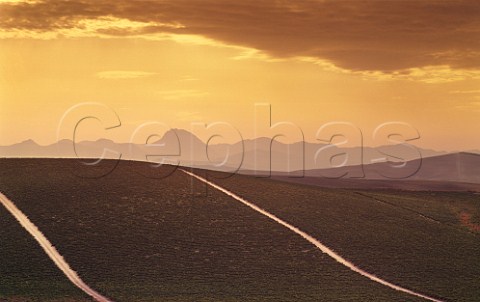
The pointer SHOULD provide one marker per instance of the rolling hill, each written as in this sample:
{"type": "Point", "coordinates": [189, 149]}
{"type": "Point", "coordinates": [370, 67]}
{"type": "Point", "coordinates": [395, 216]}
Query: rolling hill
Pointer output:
{"type": "Point", "coordinates": [135, 238]}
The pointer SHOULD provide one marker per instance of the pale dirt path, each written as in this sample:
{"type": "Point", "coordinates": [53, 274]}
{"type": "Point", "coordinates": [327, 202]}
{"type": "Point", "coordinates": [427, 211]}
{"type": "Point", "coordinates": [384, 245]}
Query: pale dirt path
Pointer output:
{"type": "Point", "coordinates": [315, 242]}
{"type": "Point", "coordinates": [50, 250]}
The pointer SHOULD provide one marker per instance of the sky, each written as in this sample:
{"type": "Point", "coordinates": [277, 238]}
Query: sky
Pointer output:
{"type": "Point", "coordinates": [180, 62]}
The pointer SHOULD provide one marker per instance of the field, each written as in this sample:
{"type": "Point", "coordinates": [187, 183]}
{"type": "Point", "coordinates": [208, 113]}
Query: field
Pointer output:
{"type": "Point", "coordinates": [134, 238]}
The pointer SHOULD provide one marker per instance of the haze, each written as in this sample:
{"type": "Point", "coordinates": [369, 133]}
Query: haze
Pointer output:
{"type": "Point", "coordinates": [177, 62]}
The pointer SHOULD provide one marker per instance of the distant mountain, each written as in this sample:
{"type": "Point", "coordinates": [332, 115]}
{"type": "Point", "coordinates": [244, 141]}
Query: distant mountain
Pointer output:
{"type": "Point", "coordinates": [181, 147]}
{"type": "Point", "coordinates": [451, 172]}
{"type": "Point", "coordinates": [460, 167]}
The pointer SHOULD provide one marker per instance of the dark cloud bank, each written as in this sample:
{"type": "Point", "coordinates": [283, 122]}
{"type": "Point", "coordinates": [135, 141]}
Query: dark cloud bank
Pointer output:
{"type": "Point", "coordinates": [356, 35]}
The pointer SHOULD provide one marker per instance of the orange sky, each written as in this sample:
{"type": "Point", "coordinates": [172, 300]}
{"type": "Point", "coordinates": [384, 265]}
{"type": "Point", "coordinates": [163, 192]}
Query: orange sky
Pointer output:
{"type": "Point", "coordinates": [178, 61]}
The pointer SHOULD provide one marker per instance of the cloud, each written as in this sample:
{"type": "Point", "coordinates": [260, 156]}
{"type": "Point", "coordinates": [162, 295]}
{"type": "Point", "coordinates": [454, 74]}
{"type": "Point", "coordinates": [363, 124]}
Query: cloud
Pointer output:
{"type": "Point", "coordinates": [181, 94]}
{"type": "Point", "coordinates": [466, 91]}
{"type": "Point", "coordinates": [428, 74]}
{"type": "Point", "coordinates": [122, 74]}
{"type": "Point", "coordinates": [17, 1]}
{"type": "Point", "coordinates": [470, 106]}
{"type": "Point", "coordinates": [374, 35]}
{"type": "Point", "coordinates": [188, 79]}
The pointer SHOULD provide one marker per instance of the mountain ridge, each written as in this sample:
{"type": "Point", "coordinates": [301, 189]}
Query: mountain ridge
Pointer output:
{"type": "Point", "coordinates": [261, 155]}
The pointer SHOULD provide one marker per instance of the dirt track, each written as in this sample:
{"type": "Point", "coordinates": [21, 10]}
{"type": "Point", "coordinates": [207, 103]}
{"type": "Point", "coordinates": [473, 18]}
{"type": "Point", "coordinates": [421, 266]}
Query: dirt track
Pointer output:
{"type": "Point", "coordinates": [314, 241]}
{"type": "Point", "coordinates": [50, 250]}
